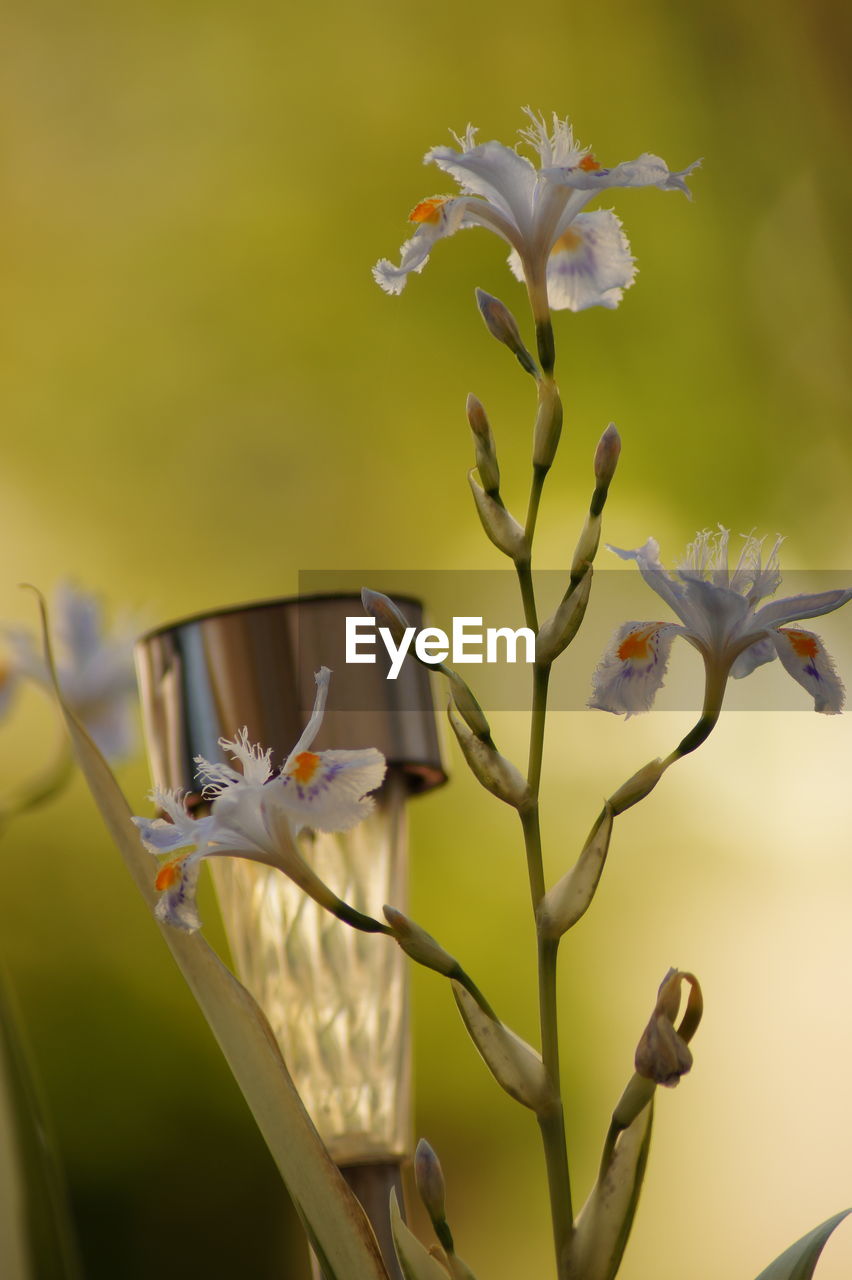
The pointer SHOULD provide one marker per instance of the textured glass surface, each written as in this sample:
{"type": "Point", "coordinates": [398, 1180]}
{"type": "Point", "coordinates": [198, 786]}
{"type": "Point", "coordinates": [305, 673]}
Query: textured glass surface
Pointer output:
{"type": "Point", "coordinates": [336, 997]}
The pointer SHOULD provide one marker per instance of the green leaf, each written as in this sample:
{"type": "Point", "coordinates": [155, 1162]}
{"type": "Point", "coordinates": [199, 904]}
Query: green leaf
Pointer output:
{"type": "Point", "coordinates": [799, 1261]}
{"type": "Point", "coordinates": [603, 1226]}
{"type": "Point", "coordinates": [514, 1064]}
{"type": "Point", "coordinates": [415, 1260]}
{"type": "Point", "coordinates": [36, 1235]}
{"type": "Point", "coordinates": [334, 1217]}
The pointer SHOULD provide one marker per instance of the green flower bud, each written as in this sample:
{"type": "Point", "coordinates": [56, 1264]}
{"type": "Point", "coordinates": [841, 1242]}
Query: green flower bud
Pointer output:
{"type": "Point", "coordinates": [420, 945]}
{"type": "Point", "coordinates": [501, 527]}
{"type": "Point", "coordinates": [558, 631]}
{"type": "Point", "coordinates": [498, 775]}
{"type": "Point", "coordinates": [548, 424]}
{"type": "Point", "coordinates": [503, 326]}
{"type": "Point", "coordinates": [483, 443]}
{"type": "Point", "coordinates": [430, 1181]}
{"type": "Point", "coordinates": [638, 787]}
{"type": "Point", "coordinates": [386, 613]}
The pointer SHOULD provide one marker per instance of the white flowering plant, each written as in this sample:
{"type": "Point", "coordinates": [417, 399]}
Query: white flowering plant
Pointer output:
{"type": "Point", "coordinates": [723, 605]}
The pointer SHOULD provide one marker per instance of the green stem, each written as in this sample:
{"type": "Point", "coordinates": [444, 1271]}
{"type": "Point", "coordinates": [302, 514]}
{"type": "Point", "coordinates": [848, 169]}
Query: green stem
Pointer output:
{"type": "Point", "coordinates": [532, 845]}
{"type": "Point", "coordinates": [541, 680]}
{"type": "Point", "coordinates": [539, 474]}
{"type": "Point", "coordinates": [552, 1128]}
{"type": "Point", "coordinates": [522, 568]}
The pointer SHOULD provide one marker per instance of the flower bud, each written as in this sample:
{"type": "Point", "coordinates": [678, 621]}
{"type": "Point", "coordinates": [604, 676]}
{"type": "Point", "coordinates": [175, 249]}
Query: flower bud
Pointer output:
{"type": "Point", "coordinates": [558, 631]}
{"type": "Point", "coordinates": [483, 443]}
{"type": "Point", "coordinates": [500, 526]}
{"type": "Point", "coordinates": [570, 898]}
{"type": "Point", "coordinates": [502, 325]}
{"type": "Point", "coordinates": [514, 1064]}
{"type": "Point", "coordinates": [586, 548]}
{"type": "Point", "coordinates": [663, 1054]}
{"type": "Point", "coordinates": [606, 460]}
{"type": "Point", "coordinates": [430, 1181]}
{"type": "Point", "coordinates": [548, 424]}
{"type": "Point", "coordinates": [467, 706]}
{"type": "Point", "coordinates": [638, 787]}
{"type": "Point", "coordinates": [497, 774]}
{"type": "Point", "coordinates": [420, 945]}
{"type": "Point", "coordinates": [386, 613]}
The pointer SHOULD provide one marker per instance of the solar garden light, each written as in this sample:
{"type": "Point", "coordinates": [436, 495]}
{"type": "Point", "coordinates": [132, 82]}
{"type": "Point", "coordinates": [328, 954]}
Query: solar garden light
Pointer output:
{"type": "Point", "coordinates": [337, 999]}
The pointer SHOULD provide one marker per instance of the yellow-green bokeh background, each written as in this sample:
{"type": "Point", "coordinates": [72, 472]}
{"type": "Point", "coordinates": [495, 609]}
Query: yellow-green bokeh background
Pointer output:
{"type": "Point", "coordinates": [204, 392]}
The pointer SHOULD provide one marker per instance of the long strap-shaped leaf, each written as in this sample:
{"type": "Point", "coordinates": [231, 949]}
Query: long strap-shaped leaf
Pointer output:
{"type": "Point", "coordinates": [799, 1261]}
{"type": "Point", "coordinates": [36, 1235]}
{"type": "Point", "coordinates": [334, 1219]}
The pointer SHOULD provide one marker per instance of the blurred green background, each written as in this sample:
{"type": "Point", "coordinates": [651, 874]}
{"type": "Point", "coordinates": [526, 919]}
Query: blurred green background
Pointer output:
{"type": "Point", "coordinates": [204, 393]}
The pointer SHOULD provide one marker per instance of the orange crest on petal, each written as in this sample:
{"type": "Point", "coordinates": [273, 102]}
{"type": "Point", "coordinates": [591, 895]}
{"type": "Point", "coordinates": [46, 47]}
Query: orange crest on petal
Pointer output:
{"type": "Point", "coordinates": [568, 242]}
{"type": "Point", "coordinates": [636, 645]}
{"type": "Point", "coordinates": [803, 644]}
{"type": "Point", "coordinates": [168, 875]}
{"type": "Point", "coordinates": [428, 210]}
{"type": "Point", "coordinates": [304, 766]}
{"type": "Point", "coordinates": [589, 163]}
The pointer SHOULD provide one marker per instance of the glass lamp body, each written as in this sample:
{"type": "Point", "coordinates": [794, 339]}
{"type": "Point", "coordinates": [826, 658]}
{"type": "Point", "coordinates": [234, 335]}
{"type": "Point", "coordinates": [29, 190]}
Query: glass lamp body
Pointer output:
{"type": "Point", "coordinates": [336, 998]}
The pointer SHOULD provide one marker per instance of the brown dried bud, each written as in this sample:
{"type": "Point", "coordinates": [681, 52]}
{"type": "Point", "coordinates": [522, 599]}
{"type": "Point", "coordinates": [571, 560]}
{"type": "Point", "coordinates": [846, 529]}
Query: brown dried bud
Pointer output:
{"type": "Point", "coordinates": [663, 1054]}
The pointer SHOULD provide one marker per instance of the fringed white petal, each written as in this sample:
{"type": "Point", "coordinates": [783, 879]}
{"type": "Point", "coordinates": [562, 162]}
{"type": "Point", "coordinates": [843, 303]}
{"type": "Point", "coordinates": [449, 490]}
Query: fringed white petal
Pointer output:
{"type": "Point", "coordinates": [437, 218]}
{"type": "Point", "coordinates": [239, 823]}
{"type": "Point", "coordinates": [758, 653]}
{"type": "Point", "coordinates": [591, 264]}
{"type": "Point", "coordinates": [555, 145]}
{"type": "Point", "coordinates": [645, 171]}
{"type": "Point", "coordinates": [647, 557]}
{"type": "Point", "coordinates": [176, 905]}
{"type": "Point", "coordinates": [633, 668]}
{"type": "Point", "coordinates": [794, 608]}
{"type": "Point", "coordinates": [497, 173]}
{"type": "Point", "coordinates": [322, 679]}
{"type": "Point", "coordinates": [328, 791]}
{"type": "Point", "coordinates": [255, 762]}
{"type": "Point", "coordinates": [804, 656]}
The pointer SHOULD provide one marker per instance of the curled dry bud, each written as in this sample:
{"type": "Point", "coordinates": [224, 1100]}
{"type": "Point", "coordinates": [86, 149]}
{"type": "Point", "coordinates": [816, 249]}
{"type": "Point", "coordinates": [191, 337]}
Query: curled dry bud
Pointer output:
{"type": "Point", "coordinates": [548, 424]}
{"type": "Point", "coordinates": [386, 613]}
{"type": "Point", "coordinates": [663, 1054]}
{"type": "Point", "coordinates": [503, 326]}
{"type": "Point", "coordinates": [483, 443]}
{"type": "Point", "coordinates": [497, 774]}
{"type": "Point", "coordinates": [500, 526]}
{"type": "Point", "coordinates": [420, 945]}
